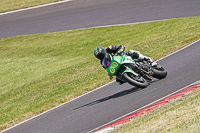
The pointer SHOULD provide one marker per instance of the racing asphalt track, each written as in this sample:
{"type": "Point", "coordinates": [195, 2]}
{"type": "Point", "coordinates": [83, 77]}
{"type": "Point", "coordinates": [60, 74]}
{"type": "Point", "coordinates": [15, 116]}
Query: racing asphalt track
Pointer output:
{"type": "Point", "coordinates": [112, 101]}
{"type": "Point", "coordinates": [78, 14]}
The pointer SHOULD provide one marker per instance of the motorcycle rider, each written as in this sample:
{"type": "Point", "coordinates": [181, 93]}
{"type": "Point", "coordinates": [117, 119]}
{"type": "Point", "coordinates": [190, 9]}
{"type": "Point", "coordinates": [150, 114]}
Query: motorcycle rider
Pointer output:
{"type": "Point", "coordinates": [100, 52]}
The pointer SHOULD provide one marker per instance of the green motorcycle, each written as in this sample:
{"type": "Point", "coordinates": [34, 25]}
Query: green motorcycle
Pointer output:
{"type": "Point", "coordinates": [133, 71]}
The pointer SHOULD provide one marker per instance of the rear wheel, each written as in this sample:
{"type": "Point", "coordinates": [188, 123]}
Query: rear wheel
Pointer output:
{"type": "Point", "coordinates": [137, 81]}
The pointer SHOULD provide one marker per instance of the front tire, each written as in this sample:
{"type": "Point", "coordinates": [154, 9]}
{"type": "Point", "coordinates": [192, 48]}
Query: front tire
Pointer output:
{"type": "Point", "coordinates": [137, 81]}
{"type": "Point", "coordinates": [159, 73]}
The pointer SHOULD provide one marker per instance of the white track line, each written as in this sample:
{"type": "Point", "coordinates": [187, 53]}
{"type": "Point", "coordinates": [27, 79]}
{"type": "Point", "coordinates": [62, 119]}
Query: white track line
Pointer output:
{"type": "Point", "coordinates": [180, 49]}
{"type": "Point", "coordinates": [122, 24]}
{"type": "Point", "coordinates": [59, 2]}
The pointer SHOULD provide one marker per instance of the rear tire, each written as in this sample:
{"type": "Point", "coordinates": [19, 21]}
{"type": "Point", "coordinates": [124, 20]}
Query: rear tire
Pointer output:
{"type": "Point", "coordinates": [137, 81]}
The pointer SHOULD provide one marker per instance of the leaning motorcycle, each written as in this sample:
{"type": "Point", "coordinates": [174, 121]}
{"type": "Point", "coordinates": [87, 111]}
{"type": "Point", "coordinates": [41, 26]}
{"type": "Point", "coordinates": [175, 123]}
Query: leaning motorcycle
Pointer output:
{"type": "Point", "coordinates": [134, 72]}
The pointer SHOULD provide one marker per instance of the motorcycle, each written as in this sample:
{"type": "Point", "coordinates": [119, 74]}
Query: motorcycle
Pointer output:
{"type": "Point", "coordinates": [133, 71]}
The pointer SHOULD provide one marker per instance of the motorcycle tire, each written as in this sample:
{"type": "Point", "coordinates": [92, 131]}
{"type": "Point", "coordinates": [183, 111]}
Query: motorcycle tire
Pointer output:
{"type": "Point", "coordinates": [136, 81]}
{"type": "Point", "coordinates": [159, 73]}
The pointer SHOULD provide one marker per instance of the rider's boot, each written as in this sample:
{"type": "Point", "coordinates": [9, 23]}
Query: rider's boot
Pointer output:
{"type": "Point", "coordinates": [119, 81]}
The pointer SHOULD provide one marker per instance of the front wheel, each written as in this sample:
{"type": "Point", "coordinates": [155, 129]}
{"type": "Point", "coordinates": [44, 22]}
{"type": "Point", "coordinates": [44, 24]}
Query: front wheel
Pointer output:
{"type": "Point", "coordinates": [137, 81]}
{"type": "Point", "coordinates": [159, 73]}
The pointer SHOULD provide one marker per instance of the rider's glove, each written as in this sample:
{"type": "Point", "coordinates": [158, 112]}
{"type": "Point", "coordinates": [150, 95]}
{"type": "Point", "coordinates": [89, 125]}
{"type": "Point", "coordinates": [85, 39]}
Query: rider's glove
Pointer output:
{"type": "Point", "coordinates": [148, 59]}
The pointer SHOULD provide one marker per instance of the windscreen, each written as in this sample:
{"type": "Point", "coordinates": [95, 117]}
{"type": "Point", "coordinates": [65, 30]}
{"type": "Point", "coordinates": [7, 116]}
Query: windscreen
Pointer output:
{"type": "Point", "coordinates": [106, 61]}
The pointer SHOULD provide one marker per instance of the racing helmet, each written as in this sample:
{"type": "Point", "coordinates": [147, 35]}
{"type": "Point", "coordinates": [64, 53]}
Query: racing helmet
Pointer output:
{"type": "Point", "coordinates": [99, 52]}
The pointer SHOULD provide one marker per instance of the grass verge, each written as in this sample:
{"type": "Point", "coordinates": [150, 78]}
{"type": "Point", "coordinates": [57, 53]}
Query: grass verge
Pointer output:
{"type": "Point", "coordinates": [41, 71]}
{"type": "Point", "coordinates": [10, 5]}
{"type": "Point", "coordinates": [180, 116]}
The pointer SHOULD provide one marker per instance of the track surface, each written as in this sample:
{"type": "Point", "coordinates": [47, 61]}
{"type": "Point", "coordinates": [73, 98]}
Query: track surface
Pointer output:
{"type": "Point", "coordinates": [112, 101]}
{"type": "Point", "coordinates": [90, 13]}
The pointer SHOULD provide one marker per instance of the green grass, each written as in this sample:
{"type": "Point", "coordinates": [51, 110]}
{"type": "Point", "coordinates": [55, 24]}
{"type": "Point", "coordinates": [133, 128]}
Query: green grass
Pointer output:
{"type": "Point", "coordinates": [181, 116]}
{"type": "Point", "coordinates": [10, 5]}
{"type": "Point", "coordinates": [41, 71]}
